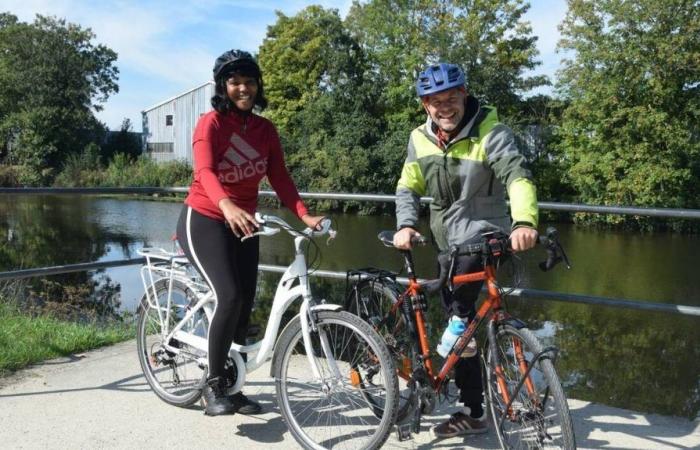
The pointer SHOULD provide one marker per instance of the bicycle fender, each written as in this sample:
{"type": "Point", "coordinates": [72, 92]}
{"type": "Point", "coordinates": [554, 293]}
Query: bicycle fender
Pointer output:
{"type": "Point", "coordinates": [327, 307]}
{"type": "Point", "coordinates": [515, 323]}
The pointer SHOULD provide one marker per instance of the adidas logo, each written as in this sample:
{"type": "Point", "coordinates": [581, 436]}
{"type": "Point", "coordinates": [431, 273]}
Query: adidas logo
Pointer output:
{"type": "Point", "coordinates": [239, 161]}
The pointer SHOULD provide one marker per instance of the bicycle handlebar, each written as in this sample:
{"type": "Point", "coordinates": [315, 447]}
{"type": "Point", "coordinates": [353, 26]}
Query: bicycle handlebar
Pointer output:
{"type": "Point", "coordinates": [387, 238]}
{"type": "Point", "coordinates": [266, 220]}
{"type": "Point", "coordinates": [555, 252]}
{"type": "Point", "coordinates": [493, 244]}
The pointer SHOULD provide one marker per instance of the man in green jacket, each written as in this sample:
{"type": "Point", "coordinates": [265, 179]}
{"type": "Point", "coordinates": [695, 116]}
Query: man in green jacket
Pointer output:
{"type": "Point", "coordinates": [467, 161]}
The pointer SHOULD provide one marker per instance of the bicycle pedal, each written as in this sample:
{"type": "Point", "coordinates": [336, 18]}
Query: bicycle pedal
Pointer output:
{"type": "Point", "coordinates": [404, 431]}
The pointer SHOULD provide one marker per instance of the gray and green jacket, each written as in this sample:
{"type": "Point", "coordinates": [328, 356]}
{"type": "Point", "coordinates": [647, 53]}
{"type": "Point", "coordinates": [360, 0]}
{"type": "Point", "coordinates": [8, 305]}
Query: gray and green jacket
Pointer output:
{"type": "Point", "coordinates": [467, 180]}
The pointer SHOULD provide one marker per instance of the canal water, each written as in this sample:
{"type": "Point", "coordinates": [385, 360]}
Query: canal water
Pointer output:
{"type": "Point", "coordinates": [646, 361]}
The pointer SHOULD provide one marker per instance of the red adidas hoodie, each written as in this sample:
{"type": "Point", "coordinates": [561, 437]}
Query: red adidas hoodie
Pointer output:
{"type": "Point", "coordinates": [232, 154]}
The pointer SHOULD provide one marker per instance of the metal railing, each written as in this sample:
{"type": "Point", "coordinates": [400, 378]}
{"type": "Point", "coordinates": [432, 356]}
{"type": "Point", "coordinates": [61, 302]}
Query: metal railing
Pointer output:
{"type": "Point", "coordinates": [520, 292]}
{"type": "Point", "coordinates": [381, 198]}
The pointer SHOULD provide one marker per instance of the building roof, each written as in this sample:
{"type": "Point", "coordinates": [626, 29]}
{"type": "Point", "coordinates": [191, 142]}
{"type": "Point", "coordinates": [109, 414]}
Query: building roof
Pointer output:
{"type": "Point", "coordinates": [176, 96]}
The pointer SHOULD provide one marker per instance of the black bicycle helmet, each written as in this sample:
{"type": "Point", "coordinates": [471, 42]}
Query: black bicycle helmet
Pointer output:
{"type": "Point", "coordinates": [234, 59]}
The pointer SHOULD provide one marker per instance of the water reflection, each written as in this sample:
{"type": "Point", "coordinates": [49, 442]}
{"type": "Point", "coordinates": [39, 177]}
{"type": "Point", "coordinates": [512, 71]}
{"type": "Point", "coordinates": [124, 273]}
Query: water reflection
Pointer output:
{"type": "Point", "coordinates": [641, 360]}
{"type": "Point", "coordinates": [45, 231]}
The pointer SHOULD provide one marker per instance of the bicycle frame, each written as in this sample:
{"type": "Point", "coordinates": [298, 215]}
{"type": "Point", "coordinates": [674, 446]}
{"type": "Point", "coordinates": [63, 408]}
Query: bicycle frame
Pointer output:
{"type": "Point", "coordinates": [490, 309]}
{"type": "Point", "coordinates": [172, 268]}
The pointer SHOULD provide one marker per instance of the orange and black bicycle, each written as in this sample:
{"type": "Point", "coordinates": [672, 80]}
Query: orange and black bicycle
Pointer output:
{"type": "Point", "coordinates": [524, 394]}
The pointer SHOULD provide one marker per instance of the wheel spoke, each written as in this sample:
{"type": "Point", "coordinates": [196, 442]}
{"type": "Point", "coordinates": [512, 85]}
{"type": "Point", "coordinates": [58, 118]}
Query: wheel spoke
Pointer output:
{"type": "Point", "coordinates": [337, 412]}
{"type": "Point", "coordinates": [538, 416]}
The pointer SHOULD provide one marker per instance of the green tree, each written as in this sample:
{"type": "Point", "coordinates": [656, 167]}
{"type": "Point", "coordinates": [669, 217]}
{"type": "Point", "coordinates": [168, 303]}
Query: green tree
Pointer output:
{"type": "Point", "coordinates": [326, 105]}
{"type": "Point", "coordinates": [630, 131]}
{"type": "Point", "coordinates": [124, 141]}
{"type": "Point", "coordinates": [304, 56]}
{"type": "Point", "coordinates": [489, 40]}
{"type": "Point", "coordinates": [52, 78]}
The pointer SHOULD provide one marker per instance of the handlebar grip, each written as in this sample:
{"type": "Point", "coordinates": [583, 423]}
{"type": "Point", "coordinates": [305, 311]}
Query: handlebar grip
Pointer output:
{"type": "Point", "coordinates": [555, 252]}
{"type": "Point", "coordinates": [552, 260]}
{"type": "Point", "coordinates": [419, 239]}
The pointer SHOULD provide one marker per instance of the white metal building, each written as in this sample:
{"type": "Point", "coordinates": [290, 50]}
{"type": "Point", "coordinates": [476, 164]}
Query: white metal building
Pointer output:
{"type": "Point", "coordinates": [168, 125]}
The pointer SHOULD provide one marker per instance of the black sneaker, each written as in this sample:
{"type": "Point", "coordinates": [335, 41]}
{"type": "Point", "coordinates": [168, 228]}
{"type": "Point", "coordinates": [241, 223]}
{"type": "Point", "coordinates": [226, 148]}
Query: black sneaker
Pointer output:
{"type": "Point", "coordinates": [244, 405]}
{"type": "Point", "coordinates": [214, 398]}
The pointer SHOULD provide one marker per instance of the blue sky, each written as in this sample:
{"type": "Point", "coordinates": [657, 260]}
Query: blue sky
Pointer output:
{"type": "Point", "coordinates": [167, 47]}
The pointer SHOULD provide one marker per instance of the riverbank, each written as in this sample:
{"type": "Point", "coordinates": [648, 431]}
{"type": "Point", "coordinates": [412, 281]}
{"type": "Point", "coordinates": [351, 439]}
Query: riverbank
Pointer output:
{"type": "Point", "coordinates": [25, 339]}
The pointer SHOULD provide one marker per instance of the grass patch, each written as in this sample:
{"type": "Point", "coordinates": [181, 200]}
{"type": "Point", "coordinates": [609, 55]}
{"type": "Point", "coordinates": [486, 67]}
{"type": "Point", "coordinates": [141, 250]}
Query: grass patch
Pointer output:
{"type": "Point", "coordinates": [26, 340]}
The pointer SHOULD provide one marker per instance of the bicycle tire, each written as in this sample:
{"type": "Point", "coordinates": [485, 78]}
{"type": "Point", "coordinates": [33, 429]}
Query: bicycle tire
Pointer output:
{"type": "Point", "coordinates": [176, 379]}
{"type": "Point", "coordinates": [541, 420]}
{"type": "Point", "coordinates": [372, 300]}
{"type": "Point", "coordinates": [332, 413]}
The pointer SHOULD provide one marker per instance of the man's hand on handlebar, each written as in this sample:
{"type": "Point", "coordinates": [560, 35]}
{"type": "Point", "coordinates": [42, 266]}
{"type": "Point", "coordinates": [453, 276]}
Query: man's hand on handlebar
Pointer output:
{"type": "Point", "coordinates": [523, 238]}
{"type": "Point", "coordinates": [405, 237]}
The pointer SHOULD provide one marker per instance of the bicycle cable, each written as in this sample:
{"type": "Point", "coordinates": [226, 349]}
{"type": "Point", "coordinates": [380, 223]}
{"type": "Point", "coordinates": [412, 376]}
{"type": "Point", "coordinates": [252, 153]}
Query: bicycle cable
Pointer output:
{"type": "Point", "coordinates": [516, 274]}
{"type": "Point", "coordinates": [315, 258]}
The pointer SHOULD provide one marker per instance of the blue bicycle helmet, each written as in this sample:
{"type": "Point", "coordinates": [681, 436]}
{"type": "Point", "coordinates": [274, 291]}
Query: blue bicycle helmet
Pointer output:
{"type": "Point", "coordinates": [438, 78]}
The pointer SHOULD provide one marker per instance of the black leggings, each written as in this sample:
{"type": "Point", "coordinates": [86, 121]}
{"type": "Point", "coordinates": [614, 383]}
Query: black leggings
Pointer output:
{"type": "Point", "coordinates": [230, 268]}
{"type": "Point", "coordinates": [461, 302]}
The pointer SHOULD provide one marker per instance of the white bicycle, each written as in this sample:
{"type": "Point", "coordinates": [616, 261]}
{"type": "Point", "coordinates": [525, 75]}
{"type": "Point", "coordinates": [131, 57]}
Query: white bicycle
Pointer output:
{"type": "Point", "coordinates": [334, 376]}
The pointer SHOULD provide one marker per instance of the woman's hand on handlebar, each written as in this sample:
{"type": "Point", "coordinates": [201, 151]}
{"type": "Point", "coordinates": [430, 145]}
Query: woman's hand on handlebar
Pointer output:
{"type": "Point", "coordinates": [241, 223]}
{"type": "Point", "coordinates": [313, 222]}
{"type": "Point", "coordinates": [523, 238]}
{"type": "Point", "coordinates": [404, 238]}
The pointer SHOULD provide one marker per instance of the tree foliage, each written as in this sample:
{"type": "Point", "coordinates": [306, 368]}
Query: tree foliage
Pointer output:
{"type": "Point", "coordinates": [52, 79]}
{"type": "Point", "coordinates": [342, 93]}
{"type": "Point", "coordinates": [124, 141]}
{"type": "Point", "coordinates": [304, 56]}
{"type": "Point", "coordinates": [630, 132]}
{"type": "Point", "coordinates": [490, 40]}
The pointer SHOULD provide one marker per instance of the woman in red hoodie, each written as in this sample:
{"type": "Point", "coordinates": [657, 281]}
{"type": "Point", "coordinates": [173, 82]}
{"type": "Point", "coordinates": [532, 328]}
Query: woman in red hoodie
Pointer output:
{"type": "Point", "coordinates": [234, 149]}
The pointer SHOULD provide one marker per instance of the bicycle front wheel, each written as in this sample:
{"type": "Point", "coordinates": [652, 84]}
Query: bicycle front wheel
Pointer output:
{"type": "Point", "coordinates": [178, 373]}
{"type": "Point", "coordinates": [532, 414]}
{"type": "Point", "coordinates": [335, 411]}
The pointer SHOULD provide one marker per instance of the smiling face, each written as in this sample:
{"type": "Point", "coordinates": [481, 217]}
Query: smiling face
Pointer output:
{"type": "Point", "coordinates": [242, 90]}
{"type": "Point", "coordinates": [446, 108]}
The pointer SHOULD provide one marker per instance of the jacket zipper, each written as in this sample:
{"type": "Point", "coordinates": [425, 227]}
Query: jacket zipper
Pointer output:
{"type": "Point", "coordinates": [444, 182]}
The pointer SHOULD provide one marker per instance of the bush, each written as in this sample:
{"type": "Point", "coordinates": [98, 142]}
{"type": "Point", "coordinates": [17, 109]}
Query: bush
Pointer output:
{"type": "Point", "coordinates": [8, 176]}
{"type": "Point", "coordinates": [122, 171]}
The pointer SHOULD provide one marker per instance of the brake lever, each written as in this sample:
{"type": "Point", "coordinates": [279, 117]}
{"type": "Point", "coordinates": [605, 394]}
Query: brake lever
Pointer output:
{"type": "Point", "coordinates": [263, 231]}
{"type": "Point", "coordinates": [331, 235]}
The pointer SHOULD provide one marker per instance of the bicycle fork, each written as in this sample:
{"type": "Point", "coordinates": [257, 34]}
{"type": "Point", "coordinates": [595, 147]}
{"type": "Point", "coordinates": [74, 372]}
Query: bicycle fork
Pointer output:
{"type": "Point", "coordinates": [523, 367]}
{"type": "Point", "coordinates": [309, 325]}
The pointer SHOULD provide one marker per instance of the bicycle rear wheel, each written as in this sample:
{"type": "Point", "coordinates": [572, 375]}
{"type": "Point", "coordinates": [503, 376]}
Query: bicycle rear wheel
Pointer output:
{"type": "Point", "coordinates": [375, 301]}
{"type": "Point", "coordinates": [538, 416]}
{"type": "Point", "coordinates": [334, 412]}
{"type": "Point", "coordinates": [176, 378]}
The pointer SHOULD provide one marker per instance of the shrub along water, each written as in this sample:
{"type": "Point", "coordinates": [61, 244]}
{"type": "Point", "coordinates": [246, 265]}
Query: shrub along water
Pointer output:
{"type": "Point", "coordinates": [86, 171]}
